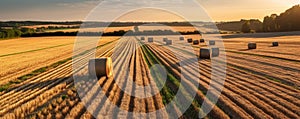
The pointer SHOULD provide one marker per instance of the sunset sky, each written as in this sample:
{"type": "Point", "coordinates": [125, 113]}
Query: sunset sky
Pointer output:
{"type": "Point", "coordinates": [77, 10]}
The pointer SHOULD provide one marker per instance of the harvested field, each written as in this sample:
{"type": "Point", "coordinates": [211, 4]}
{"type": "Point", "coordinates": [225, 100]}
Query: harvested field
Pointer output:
{"type": "Point", "coordinates": [24, 55]}
{"type": "Point", "coordinates": [260, 83]}
{"type": "Point", "coordinates": [239, 71]}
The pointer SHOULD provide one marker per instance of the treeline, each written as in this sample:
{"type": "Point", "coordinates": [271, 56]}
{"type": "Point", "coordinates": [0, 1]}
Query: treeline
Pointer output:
{"type": "Point", "coordinates": [10, 33]}
{"type": "Point", "coordinates": [26, 32]}
{"type": "Point", "coordinates": [115, 33]}
{"type": "Point", "coordinates": [33, 23]}
{"type": "Point", "coordinates": [60, 27]}
{"type": "Point", "coordinates": [287, 21]}
{"type": "Point", "coordinates": [254, 24]}
{"type": "Point", "coordinates": [43, 29]}
{"type": "Point", "coordinates": [91, 24]}
{"type": "Point", "coordinates": [7, 33]}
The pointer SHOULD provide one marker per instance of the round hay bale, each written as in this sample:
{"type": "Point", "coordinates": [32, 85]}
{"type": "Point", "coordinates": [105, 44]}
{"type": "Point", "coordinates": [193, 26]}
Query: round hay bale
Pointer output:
{"type": "Point", "coordinates": [204, 53]}
{"type": "Point", "coordinates": [168, 42]}
{"type": "Point", "coordinates": [189, 40]}
{"type": "Point", "coordinates": [142, 38]}
{"type": "Point", "coordinates": [181, 38]}
{"type": "Point", "coordinates": [275, 44]}
{"type": "Point", "coordinates": [195, 42]}
{"type": "Point", "coordinates": [201, 40]}
{"type": "Point", "coordinates": [212, 42]}
{"type": "Point", "coordinates": [215, 52]}
{"type": "Point", "coordinates": [100, 67]}
{"type": "Point", "coordinates": [150, 39]}
{"type": "Point", "coordinates": [165, 39]}
{"type": "Point", "coordinates": [251, 45]}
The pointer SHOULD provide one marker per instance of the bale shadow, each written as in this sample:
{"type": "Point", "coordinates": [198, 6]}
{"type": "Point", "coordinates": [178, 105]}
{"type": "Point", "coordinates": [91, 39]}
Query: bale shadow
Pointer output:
{"type": "Point", "coordinates": [37, 85]}
{"type": "Point", "coordinates": [246, 49]}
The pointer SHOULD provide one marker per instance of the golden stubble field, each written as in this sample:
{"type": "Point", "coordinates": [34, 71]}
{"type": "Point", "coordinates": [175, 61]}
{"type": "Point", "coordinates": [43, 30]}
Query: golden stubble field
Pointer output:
{"type": "Point", "coordinates": [288, 45]}
{"type": "Point", "coordinates": [21, 56]}
{"type": "Point", "coordinates": [280, 64]}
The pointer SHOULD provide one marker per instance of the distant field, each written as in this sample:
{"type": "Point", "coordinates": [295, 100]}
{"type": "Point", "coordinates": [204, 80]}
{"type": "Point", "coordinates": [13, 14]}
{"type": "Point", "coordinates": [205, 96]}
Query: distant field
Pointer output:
{"type": "Point", "coordinates": [109, 29]}
{"type": "Point", "coordinates": [141, 28]}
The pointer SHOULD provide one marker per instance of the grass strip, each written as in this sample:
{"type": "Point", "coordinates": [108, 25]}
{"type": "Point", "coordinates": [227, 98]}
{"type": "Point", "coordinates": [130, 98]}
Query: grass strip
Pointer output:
{"type": "Point", "coordinates": [167, 93]}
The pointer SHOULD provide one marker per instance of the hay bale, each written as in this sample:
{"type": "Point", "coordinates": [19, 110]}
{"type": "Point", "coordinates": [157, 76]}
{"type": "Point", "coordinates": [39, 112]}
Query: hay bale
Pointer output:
{"type": "Point", "coordinates": [251, 45]}
{"type": "Point", "coordinates": [142, 38]}
{"type": "Point", "coordinates": [150, 39]}
{"type": "Point", "coordinates": [215, 52]}
{"type": "Point", "coordinates": [100, 67]}
{"type": "Point", "coordinates": [189, 40]}
{"type": "Point", "coordinates": [181, 38]}
{"type": "Point", "coordinates": [212, 42]}
{"type": "Point", "coordinates": [202, 41]}
{"type": "Point", "coordinates": [275, 44]}
{"type": "Point", "coordinates": [195, 42]}
{"type": "Point", "coordinates": [168, 42]}
{"type": "Point", "coordinates": [204, 53]}
{"type": "Point", "coordinates": [165, 39]}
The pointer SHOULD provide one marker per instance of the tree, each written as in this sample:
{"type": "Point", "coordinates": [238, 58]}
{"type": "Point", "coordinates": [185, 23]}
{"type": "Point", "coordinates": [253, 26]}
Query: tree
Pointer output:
{"type": "Point", "coordinates": [246, 27]}
{"type": "Point", "coordinates": [1, 35]}
{"type": "Point", "coordinates": [17, 33]}
{"type": "Point", "coordinates": [10, 33]}
{"type": "Point", "coordinates": [136, 29]}
{"type": "Point", "coordinates": [27, 30]}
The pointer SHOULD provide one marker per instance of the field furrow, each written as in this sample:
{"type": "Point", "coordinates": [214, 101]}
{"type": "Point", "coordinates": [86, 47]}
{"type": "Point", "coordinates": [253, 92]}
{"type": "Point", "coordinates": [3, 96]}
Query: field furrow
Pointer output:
{"type": "Point", "coordinates": [250, 97]}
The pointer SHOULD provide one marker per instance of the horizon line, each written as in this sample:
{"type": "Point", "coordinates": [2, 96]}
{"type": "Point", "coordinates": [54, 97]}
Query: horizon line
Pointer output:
{"type": "Point", "coordinates": [66, 21]}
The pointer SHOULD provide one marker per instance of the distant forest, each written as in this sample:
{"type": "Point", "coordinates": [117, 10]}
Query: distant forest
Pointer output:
{"type": "Point", "coordinates": [253, 24]}
{"type": "Point", "coordinates": [115, 33]}
{"type": "Point", "coordinates": [287, 21]}
{"type": "Point", "coordinates": [91, 24]}
{"type": "Point", "coordinates": [27, 32]}
{"type": "Point", "coordinates": [14, 32]}
{"type": "Point", "coordinates": [15, 29]}
{"type": "Point", "coordinates": [9, 33]}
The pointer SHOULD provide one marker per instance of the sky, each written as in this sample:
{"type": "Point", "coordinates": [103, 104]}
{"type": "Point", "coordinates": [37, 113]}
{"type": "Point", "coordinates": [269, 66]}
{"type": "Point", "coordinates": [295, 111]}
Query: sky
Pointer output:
{"type": "Point", "coordinates": [140, 10]}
